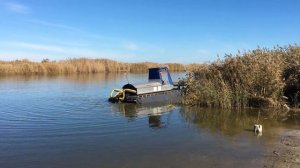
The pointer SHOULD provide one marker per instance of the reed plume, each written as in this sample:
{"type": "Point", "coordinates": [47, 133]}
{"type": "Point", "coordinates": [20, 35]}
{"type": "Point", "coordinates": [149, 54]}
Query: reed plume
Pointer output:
{"type": "Point", "coordinates": [80, 65]}
{"type": "Point", "coordinates": [257, 78]}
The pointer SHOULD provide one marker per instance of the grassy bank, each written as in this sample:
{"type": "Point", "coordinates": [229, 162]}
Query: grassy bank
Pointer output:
{"type": "Point", "coordinates": [259, 78]}
{"type": "Point", "coordinates": [71, 66]}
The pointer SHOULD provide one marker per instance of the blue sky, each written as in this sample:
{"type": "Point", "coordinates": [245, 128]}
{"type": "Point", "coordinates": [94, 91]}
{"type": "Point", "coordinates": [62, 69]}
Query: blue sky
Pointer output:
{"type": "Point", "coordinates": [183, 31]}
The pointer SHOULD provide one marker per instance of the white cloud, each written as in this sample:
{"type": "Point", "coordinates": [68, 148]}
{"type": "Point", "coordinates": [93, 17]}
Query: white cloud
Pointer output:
{"type": "Point", "coordinates": [36, 52]}
{"type": "Point", "coordinates": [123, 44]}
{"type": "Point", "coordinates": [16, 7]}
{"type": "Point", "coordinates": [55, 49]}
{"type": "Point", "coordinates": [128, 45]}
{"type": "Point", "coordinates": [55, 25]}
{"type": "Point", "coordinates": [203, 51]}
{"type": "Point", "coordinates": [76, 30]}
{"type": "Point", "coordinates": [10, 56]}
{"type": "Point", "coordinates": [38, 56]}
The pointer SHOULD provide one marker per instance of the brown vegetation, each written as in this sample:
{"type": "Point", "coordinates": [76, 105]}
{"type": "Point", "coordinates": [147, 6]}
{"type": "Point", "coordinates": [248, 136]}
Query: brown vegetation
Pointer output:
{"type": "Point", "coordinates": [258, 78]}
{"type": "Point", "coordinates": [81, 65]}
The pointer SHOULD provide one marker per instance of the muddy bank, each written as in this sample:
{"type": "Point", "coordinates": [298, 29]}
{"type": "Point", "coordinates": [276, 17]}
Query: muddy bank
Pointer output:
{"type": "Point", "coordinates": [286, 153]}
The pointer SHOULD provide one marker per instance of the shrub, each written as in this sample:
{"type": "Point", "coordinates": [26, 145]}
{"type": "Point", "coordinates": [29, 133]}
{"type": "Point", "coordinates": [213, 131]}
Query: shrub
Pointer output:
{"type": "Point", "coordinates": [254, 78]}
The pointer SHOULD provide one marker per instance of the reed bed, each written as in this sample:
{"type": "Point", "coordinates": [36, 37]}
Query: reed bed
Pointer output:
{"type": "Point", "coordinates": [81, 65]}
{"type": "Point", "coordinates": [259, 78]}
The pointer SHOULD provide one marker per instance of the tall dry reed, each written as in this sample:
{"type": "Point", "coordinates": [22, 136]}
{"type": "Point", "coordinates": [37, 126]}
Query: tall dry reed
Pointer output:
{"type": "Point", "coordinates": [81, 65]}
{"type": "Point", "coordinates": [258, 78]}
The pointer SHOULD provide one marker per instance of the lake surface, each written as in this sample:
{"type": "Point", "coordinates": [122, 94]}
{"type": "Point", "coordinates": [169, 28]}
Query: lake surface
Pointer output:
{"type": "Point", "coordinates": [66, 121]}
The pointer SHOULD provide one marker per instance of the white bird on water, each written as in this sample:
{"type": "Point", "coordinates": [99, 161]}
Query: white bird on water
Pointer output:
{"type": "Point", "coordinates": [257, 127]}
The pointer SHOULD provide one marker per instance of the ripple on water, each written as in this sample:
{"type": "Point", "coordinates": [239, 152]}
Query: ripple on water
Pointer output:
{"type": "Point", "coordinates": [67, 122]}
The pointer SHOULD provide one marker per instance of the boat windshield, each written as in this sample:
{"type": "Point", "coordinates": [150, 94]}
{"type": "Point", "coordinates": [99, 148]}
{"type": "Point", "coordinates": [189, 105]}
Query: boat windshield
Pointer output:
{"type": "Point", "coordinates": [164, 77]}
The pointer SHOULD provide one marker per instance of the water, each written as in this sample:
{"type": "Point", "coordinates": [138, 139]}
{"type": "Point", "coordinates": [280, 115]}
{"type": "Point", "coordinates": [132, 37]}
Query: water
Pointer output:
{"type": "Point", "coordinates": [66, 121]}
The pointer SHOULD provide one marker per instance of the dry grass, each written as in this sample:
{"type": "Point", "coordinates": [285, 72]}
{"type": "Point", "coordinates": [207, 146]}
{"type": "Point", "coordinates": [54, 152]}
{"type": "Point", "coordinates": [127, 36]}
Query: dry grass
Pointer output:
{"type": "Point", "coordinates": [256, 78]}
{"type": "Point", "coordinates": [72, 66]}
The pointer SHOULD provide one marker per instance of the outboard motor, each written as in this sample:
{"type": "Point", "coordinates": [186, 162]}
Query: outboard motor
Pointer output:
{"type": "Point", "coordinates": [127, 94]}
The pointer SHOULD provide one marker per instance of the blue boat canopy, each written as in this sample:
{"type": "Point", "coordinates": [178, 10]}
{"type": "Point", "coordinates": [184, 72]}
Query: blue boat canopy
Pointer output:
{"type": "Point", "coordinates": [155, 74]}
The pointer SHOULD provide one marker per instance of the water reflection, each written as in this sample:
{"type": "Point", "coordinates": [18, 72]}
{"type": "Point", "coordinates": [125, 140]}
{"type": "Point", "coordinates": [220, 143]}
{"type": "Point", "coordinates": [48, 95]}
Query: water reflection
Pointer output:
{"type": "Point", "coordinates": [81, 78]}
{"type": "Point", "coordinates": [225, 121]}
{"type": "Point", "coordinates": [67, 121]}
{"type": "Point", "coordinates": [158, 114]}
{"type": "Point", "coordinates": [228, 122]}
{"type": "Point", "coordinates": [232, 122]}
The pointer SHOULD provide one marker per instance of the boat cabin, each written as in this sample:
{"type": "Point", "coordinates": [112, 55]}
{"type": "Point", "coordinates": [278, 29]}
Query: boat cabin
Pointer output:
{"type": "Point", "coordinates": [161, 75]}
{"type": "Point", "coordinates": [159, 79]}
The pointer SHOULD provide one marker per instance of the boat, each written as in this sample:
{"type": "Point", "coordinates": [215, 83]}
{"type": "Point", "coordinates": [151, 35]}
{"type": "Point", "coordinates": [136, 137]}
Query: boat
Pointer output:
{"type": "Point", "coordinates": [160, 87]}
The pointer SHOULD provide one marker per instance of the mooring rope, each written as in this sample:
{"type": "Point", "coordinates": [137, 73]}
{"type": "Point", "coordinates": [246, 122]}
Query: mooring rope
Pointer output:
{"type": "Point", "coordinates": [120, 93]}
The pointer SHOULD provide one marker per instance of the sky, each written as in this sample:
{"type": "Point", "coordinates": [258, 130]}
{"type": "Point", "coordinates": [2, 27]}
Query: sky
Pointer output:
{"type": "Point", "coordinates": [180, 31]}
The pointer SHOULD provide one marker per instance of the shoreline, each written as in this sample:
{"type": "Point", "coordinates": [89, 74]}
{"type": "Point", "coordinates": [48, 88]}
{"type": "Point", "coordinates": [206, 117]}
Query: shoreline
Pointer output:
{"type": "Point", "coordinates": [286, 152]}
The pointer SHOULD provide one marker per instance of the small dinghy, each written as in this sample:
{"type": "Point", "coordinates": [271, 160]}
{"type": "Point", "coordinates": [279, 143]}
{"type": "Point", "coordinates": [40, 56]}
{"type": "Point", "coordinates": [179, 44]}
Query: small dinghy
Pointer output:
{"type": "Point", "coordinates": [160, 87]}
